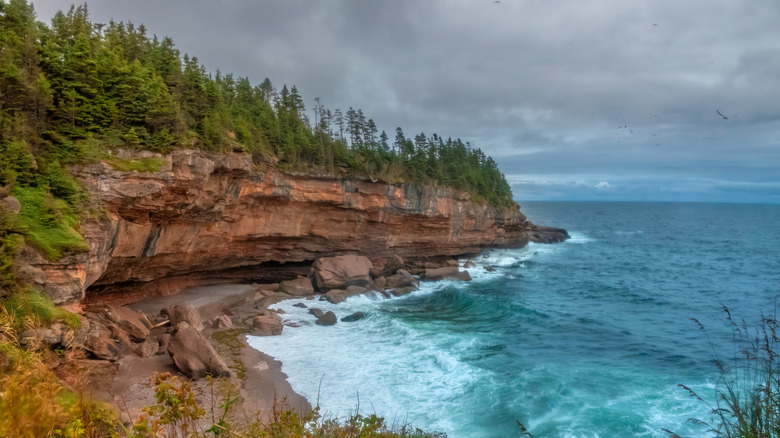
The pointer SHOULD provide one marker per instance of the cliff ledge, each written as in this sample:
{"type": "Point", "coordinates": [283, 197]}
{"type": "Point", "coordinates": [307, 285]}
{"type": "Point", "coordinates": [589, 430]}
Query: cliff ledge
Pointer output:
{"type": "Point", "coordinates": [206, 218]}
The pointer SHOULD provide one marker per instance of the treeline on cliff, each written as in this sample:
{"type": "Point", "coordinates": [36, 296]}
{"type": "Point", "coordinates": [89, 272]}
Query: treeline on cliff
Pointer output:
{"type": "Point", "coordinates": [73, 89]}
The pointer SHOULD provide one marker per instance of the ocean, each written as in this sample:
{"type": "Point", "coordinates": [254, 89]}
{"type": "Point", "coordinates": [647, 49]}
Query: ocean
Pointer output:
{"type": "Point", "coordinates": [588, 338]}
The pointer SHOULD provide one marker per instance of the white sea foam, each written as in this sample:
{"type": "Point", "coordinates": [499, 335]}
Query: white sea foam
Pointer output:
{"type": "Point", "coordinates": [391, 366]}
{"type": "Point", "coordinates": [579, 237]}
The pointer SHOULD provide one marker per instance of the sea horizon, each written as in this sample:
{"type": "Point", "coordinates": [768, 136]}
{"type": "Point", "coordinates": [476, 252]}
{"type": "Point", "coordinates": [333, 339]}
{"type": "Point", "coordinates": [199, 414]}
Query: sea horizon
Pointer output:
{"type": "Point", "coordinates": [585, 338]}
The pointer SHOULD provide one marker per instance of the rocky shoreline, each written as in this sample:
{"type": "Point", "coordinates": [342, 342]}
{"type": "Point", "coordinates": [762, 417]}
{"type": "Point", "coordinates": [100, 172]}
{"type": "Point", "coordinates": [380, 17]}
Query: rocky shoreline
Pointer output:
{"type": "Point", "coordinates": [187, 260]}
{"type": "Point", "coordinates": [202, 331]}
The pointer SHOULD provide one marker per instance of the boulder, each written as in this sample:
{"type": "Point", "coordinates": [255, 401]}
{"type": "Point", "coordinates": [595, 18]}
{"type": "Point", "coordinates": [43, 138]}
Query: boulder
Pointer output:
{"type": "Point", "coordinates": [130, 321]}
{"type": "Point", "coordinates": [300, 287]}
{"type": "Point", "coordinates": [447, 272]}
{"type": "Point", "coordinates": [147, 348]}
{"type": "Point", "coordinates": [329, 318]}
{"type": "Point", "coordinates": [184, 313]}
{"type": "Point", "coordinates": [342, 271]}
{"type": "Point", "coordinates": [452, 262]}
{"type": "Point", "coordinates": [267, 325]}
{"type": "Point", "coordinates": [193, 355]}
{"type": "Point", "coordinates": [57, 334]}
{"type": "Point", "coordinates": [490, 269]}
{"type": "Point", "coordinates": [392, 265]}
{"type": "Point", "coordinates": [399, 292]}
{"type": "Point", "coordinates": [316, 312]}
{"type": "Point", "coordinates": [100, 342]}
{"type": "Point", "coordinates": [336, 296]}
{"type": "Point", "coordinates": [301, 305]}
{"type": "Point", "coordinates": [379, 283]}
{"type": "Point", "coordinates": [105, 348]}
{"type": "Point", "coordinates": [10, 204]}
{"type": "Point", "coordinates": [354, 317]}
{"type": "Point", "coordinates": [222, 322]}
{"type": "Point", "coordinates": [162, 341]}
{"type": "Point", "coordinates": [432, 265]}
{"type": "Point", "coordinates": [469, 264]}
{"type": "Point", "coordinates": [402, 279]}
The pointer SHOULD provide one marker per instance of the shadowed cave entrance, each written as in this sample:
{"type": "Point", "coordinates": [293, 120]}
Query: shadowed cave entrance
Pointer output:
{"type": "Point", "coordinates": [104, 292]}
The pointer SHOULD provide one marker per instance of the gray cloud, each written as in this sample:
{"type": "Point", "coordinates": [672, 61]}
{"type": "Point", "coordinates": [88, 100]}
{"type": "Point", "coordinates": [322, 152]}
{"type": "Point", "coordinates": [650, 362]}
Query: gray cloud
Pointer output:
{"type": "Point", "coordinates": [597, 89]}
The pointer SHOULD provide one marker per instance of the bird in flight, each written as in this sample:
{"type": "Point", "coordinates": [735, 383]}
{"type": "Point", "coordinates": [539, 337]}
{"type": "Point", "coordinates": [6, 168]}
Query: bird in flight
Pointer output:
{"type": "Point", "coordinates": [719, 113]}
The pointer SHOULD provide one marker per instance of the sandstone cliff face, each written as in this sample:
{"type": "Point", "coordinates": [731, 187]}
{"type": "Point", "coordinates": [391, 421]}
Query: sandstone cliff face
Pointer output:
{"type": "Point", "coordinates": [205, 218]}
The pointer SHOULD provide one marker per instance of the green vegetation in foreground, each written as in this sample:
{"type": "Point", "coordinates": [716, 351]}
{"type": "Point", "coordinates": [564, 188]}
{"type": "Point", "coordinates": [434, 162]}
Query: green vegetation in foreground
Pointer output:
{"type": "Point", "coordinates": [747, 393]}
{"type": "Point", "coordinates": [31, 305]}
{"type": "Point", "coordinates": [35, 403]}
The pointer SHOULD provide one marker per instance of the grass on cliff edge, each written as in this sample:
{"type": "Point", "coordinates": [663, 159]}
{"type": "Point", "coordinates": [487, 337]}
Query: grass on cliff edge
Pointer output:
{"type": "Point", "coordinates": [48, 223]}
{"type": "Point", "coordinates": [29, 304]}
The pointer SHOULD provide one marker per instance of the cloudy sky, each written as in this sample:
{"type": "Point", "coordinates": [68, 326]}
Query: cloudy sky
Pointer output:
{"type": "Point", "coordinates": [576, 99]}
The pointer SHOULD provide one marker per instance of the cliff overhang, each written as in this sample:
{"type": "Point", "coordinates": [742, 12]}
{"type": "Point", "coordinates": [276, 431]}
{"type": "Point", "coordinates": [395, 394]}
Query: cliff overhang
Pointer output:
{"type": "Point", "coordinates": [206, 218]}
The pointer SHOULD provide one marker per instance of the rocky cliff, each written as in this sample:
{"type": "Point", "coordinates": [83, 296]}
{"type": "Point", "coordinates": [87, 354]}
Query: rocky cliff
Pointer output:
{"type": "Point", "coordinates": [209, 218]}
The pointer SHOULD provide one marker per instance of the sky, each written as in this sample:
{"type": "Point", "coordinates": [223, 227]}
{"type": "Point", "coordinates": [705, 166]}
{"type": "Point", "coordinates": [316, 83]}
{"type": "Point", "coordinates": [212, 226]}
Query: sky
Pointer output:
{"type": "Point", "coordinates": [661, 100]}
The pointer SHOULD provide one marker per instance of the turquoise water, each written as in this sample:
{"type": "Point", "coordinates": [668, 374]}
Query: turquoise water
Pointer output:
{"type": "Point", "coordinates": [588, 338]}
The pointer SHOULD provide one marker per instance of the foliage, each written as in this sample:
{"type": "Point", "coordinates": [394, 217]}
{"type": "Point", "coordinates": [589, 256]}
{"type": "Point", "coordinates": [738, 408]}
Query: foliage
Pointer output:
{"type": "Point", "coordinates": [176, 412]}
{"type": "Point", "coordinates": [747, 400]}
{"type": "Point", "coordinates": [33, 402]}
{"type": "Point", "coordinates": [30, 304]}
{"type": "Point", "coordinates": [49, 222]}
{"type": "Point", "coordinates": [74, 80]}
{"type": "Point", "coordinates": [11, 242]}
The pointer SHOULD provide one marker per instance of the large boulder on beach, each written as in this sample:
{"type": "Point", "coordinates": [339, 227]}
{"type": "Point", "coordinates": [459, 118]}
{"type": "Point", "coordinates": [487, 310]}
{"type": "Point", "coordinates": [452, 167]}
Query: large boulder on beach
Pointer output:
{"type": "Point", "coordinates": [222, 322]}
{"type": "Point", "coordinates": [447, 272]}
{"type": "Point", "coordinates": [336, 296]}
{"type": "Point", "coordinates": [129, 321]}
{"type": "Point", "coordinates": [316, 312]}
{"type": "Point", "coordinates": [269, 324]}
{"type": "Point", "coordinates": [185, 313]}
{"type": "Point", "coordinates": [402, 279]}
{"type": "Point", "coordinates": [342, 271]}
{"type": "Point", "coordinates": [193, 354]}
{"type": "Point", "coordinates": [300, 287]}
{"type": "Point", "coordinates": [329, 318]}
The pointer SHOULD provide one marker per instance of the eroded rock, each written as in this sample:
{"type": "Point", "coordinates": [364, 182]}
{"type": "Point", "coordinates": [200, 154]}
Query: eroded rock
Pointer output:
{"type": "Point", "coordinates": [300, 287]}
{"type": "Point", "coordinates": [130, 321]}
{"type": "Point", "coordinates": [268, 324]}
{"type": "Point", "coordinates": [193, 354]}
{"type": "Point", "coordinates": [342, 271]}
{"type": "Point", "coordinates": [222, 322]}
{"type": "Point", "coordinates": [336, 296]}
{"type": "Point", "coordinates": [329, 318]}
{"type": "Point", "coordinates": [402, 279]}
{"type": "Point", "coordinates": [185, 313]}
{"type": "Point", "coordinates": [447, 272]}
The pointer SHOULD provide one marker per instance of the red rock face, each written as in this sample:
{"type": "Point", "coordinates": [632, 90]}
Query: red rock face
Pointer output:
{"type": "Point", "coordinates": [206, 218]}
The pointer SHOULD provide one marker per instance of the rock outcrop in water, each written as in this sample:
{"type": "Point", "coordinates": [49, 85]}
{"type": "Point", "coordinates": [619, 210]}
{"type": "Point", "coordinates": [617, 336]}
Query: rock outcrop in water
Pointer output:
{"type": "Point", "coordinates": [213, 218]}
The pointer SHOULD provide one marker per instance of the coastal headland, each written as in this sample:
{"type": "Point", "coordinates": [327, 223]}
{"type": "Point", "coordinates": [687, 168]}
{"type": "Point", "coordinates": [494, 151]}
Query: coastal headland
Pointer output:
{"type": "Point", "coordinates": [185, 261]}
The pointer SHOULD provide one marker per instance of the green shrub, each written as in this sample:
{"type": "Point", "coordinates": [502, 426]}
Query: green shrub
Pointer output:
{"type": "Point", "coordinates": [30, 304]}
{"type": "Point", "coordinates": [747, 398]}
{"type": "Point", "coordinates": [48, 223]}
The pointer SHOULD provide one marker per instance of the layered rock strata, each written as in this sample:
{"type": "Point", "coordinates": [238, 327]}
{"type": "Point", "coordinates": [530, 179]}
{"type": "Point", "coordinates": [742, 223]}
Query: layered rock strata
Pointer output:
{"type": "Point", "coordinates": [207, 218]}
